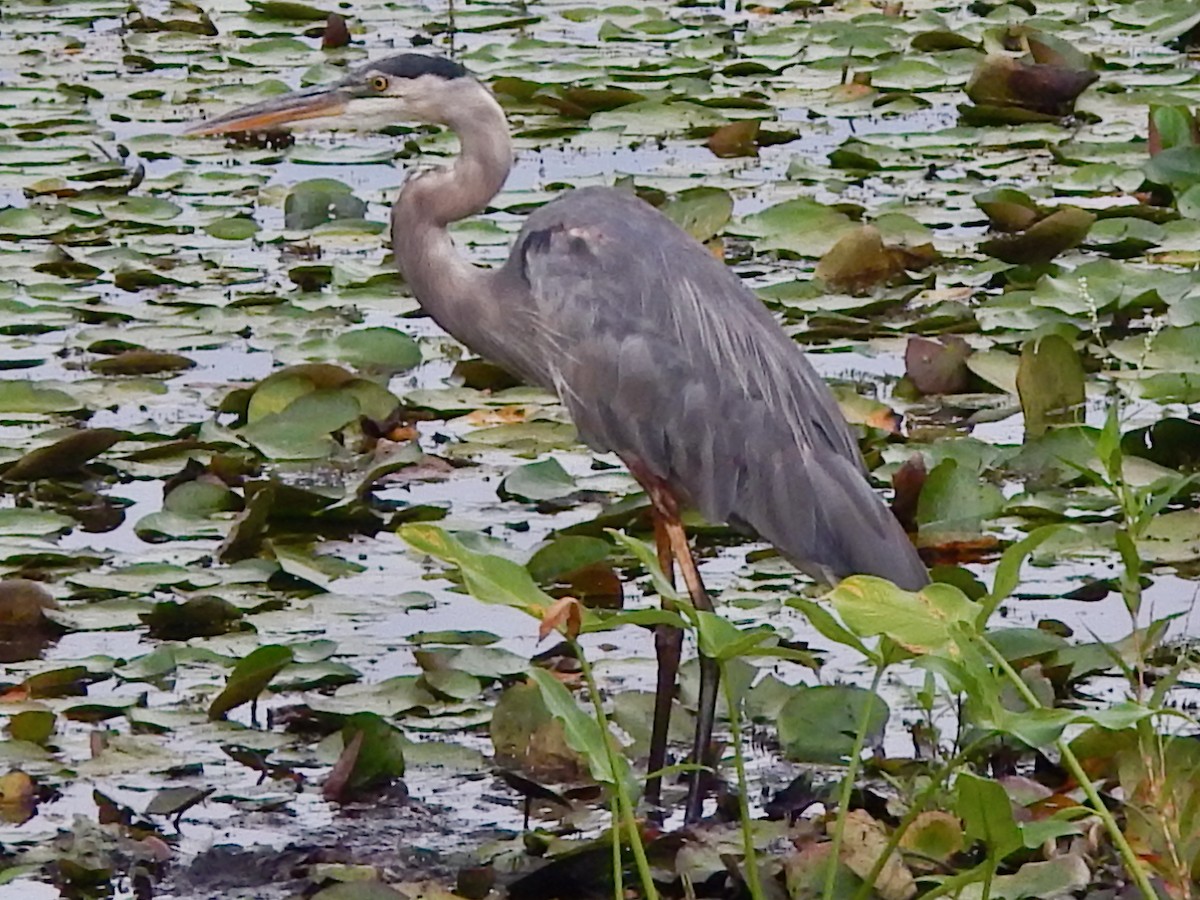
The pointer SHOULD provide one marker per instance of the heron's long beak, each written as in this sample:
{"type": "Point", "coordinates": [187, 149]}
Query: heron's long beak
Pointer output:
{"type": "Point", "coordinates": [323, 102]}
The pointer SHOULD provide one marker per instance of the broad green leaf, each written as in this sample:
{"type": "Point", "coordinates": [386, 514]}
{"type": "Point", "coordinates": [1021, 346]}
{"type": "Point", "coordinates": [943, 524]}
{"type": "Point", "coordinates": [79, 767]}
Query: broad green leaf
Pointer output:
{"type": "Point", "coordinates": [233, 228]}
{"type": "Point", "coordinates": [957, 500]}
{"type": "Point", "coordinates": [1008, 571]}
{"type": "Point", "coordinates": [722, 640]}
{"type": "Point", "coordinates": [920, 622]}
{"type": "Point", "coordinates": [32, 522]}
{"type": "Point", "coordinates": [565, 554]}
{"type": "Point", "coordinates": [1063, 876]}
{"type": "Point", "coordinates": [584, 733]}
{"type": "Point", "coordinates": [701, 212]}
{"type": "Point", "coordinates": [986, 814]}
{"type": "Point", "coordinates": [491, 579]}
{"type": "Point", "coordinates": [17, 396]}
{"type": "Point", "coordinates": [828, 626]}
{"type": "Point", "coordinates": [802, 226]}
{"type": "Point", "coordinates": [649, 559]}
{"type": "Point", "coordinates": [302, 430]}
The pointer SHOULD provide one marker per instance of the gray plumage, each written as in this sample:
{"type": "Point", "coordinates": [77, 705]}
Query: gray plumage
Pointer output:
{"type": "Point", "coordinates": [665, 358]}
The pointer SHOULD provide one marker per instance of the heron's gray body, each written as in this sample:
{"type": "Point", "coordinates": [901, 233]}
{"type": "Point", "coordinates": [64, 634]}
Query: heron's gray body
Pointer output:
{"type": "Point", "coordinates": [665, 358]}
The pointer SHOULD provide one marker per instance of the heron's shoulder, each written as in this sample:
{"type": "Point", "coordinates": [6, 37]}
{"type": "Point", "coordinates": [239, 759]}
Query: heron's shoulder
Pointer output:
{"type": "Point", "coordinates": [600, 215]}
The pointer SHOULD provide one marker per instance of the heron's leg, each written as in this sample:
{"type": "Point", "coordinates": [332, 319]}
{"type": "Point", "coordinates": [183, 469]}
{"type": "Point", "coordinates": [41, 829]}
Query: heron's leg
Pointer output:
{"type": "Point", "coordinates": [668, 647]}
{"type": "Point", "coordinates": [710, 672]}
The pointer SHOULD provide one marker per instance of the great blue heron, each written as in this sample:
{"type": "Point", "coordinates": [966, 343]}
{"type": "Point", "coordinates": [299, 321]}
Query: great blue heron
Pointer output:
{"type": "Point", "coordinates": [656, 348]}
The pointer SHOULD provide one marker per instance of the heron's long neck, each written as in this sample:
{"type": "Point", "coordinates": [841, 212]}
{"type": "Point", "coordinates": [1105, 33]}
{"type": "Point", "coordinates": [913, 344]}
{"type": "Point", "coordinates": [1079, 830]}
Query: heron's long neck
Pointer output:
{"type": "Point", "coordinates": [443, 281]}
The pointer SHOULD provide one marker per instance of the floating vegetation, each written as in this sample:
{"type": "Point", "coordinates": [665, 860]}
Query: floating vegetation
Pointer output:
{"type": "Point", "coordinates": [289, 581]}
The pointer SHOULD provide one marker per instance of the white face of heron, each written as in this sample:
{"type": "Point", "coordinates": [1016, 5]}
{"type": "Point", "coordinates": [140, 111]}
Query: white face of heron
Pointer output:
{"type": "Point", "coordinates": [381, 99]}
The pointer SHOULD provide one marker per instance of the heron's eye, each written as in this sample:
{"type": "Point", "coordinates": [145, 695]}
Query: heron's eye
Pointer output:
{"type": "Point", "coordinates": [379, 83]}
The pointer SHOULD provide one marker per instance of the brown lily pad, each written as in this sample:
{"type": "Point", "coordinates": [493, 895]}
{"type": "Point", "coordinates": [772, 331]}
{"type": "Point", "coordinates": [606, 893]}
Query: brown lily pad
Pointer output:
{"type": "Point", "coordinates": [337, 33]}
{"type": "Point", "coordinates": [1004, 81]}
{"type": "Point", "coordinates": [1009, 210]}
{"type": "Point", "coordinates": [142, 362]}
{"type": "Point", "coordinates": [23, 605]}
{"type": "Point", "coordinates": [860, 261]}
{"type": "Point", "coordinates": [907, 482]}
{"type": "Point", "coordinates": [1058, 232]}
{"type": "Point", "coordinates": [1050, 382]}
{"type": "Point", "coordinates": [937, 366]}
{"type": "Point", "coordinates": [63, 457]}
{"type": "Point", "coordinates": [735, 139]}
{"type": "Point", "coordinates": [528, 738]}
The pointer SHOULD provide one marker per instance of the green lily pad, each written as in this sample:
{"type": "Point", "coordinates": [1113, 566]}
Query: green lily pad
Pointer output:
{"type": "Point", "coordinates": [32, 523]}
{"type": "Point", "coordinates": [543, 480]}
{"type": "Point", "coordinates": [233, 228]}
{"type": "Point", "coordinates": [818, 724]}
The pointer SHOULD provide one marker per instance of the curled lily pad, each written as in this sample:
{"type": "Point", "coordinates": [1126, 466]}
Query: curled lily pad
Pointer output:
{"type": "Point", "coordinates": [336, 34]}
{"type": "Point", "coordinates": [275, 392]}
{"type": "Point", "coordinates": [937, 367]}
{"type": "Point", "coordinates": [701, 212]}
{"type": "Point", "coordinates": [1002, 81]}
{"type": "Point", "coordinates": [250, 678]}
{"type": "Point", "coordinates": [1060, 231]}
{"type": "Point", "coordinates": [860, 260]}
{"type": "Point", "coordinates": [372, 757]}
{"type": "Point", "coordinates": [303, 429]}
{"type": "Point", "coordinates": [288, 10]}
{"type": "Point", "coordinates": [1008, 209]}
{"type": "Point", "coordinates": [580, 102]}
{"type": "Point", "coordinates": [942, 40]}
{"type": "Point", "coordinates": [64, 456]}
{"type": "Point", "coordinates": [1172, 126]}
{"type": "Point", "coordinates": [1050, 383]}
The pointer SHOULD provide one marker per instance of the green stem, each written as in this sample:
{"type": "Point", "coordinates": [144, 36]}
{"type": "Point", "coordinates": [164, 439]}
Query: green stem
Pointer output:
{"type": "Point", "coordinates": [618, 866]}
{"type": "Point", "coordinates": [860, 739]}
{"type": "Point", "coordinates": [1128, 857]}
{"type": "Point", "coordinates": [955, 883]}
{"type": "Point", "coordinates": [624, 804]}
{"type": "Point", "coordinates": [735, 729]}
{"type": "Point", "coordinates": [988, 874]}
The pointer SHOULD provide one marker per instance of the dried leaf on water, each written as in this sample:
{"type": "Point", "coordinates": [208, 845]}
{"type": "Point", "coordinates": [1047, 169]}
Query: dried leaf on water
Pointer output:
{"type": "Point", "coordinates": [860, 261]}
{"type": "Point", "coordinates": [1050, 382]}
{"type": "Point", "coordinates": [1003, 81]}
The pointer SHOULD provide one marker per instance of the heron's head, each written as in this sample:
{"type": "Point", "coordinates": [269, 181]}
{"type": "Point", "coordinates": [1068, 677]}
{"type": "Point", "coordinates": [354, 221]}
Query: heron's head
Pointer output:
{"type": "Point", "coordinates": [411, 87]}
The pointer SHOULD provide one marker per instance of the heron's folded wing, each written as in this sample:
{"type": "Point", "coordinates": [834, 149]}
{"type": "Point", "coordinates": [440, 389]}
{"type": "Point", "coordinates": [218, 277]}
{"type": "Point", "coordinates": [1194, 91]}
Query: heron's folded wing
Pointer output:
{"type": "Point", "coordinates": [664, 357]}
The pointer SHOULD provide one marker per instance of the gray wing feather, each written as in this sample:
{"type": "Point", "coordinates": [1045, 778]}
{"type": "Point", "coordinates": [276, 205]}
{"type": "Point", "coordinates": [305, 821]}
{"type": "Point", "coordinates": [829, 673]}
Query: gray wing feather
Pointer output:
{"type": "Point", "coordinates": [664, 357]}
